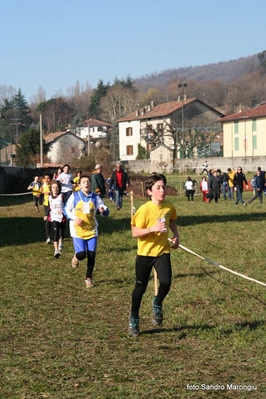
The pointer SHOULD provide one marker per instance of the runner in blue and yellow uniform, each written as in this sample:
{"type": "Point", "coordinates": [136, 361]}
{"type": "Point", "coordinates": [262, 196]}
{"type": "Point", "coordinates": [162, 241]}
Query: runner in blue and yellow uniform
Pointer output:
{"type": "Point", "coordinates": [81, 209]}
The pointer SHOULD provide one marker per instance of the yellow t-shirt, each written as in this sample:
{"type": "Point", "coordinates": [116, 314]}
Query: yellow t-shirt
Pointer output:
{"type": "Point", "coordinates": [46, 192]}
{"type": "Point", "coordinates": [76, 181]}
{"type": "Point", "coordinates": [36, 189]}
{"type": "Point", "coordinates": [89, 226]}
{"type": "Point", "coordinates": [153, 244]}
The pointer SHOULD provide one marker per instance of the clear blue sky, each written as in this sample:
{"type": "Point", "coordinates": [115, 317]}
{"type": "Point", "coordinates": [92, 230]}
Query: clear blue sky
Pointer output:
{"type": "Point", "coordinates": [55, 43]}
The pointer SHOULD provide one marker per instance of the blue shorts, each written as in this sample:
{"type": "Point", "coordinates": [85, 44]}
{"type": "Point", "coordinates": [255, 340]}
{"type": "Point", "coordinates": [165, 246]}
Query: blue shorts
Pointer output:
{"type": "Point", "coordinates": [81, 245]}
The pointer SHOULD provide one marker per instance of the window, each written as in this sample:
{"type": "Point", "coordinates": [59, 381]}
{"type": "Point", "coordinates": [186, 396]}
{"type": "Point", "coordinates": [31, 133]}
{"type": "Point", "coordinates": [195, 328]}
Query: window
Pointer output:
{"type": "Point", "coordinates": [150, 146]}
{"type": "Point", "coordinates": [160, 127]}
{"type": "Point", "coordinates": [254, 142]}
{"type": "Point", "coordinates": [129, 149]}
{"type": "Point", "coordinates": [129, 131]}
{"type": "Point", "coordinates": [254, 125]}
{"type": "Point", "coordinates": [236, 144]}
{"type": "Point", "coordinates": [236, 128]}
{"type": "Point", "coordinates": [99, 129]}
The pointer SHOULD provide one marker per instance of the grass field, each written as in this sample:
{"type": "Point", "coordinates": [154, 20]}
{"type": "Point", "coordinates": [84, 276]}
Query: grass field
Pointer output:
{"type": "Point", "coordinates": [59, 340]}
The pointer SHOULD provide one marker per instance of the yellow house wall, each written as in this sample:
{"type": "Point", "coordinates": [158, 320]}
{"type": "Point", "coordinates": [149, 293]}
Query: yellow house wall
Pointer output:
{"type": "Point", "coordinates": [245, 135]}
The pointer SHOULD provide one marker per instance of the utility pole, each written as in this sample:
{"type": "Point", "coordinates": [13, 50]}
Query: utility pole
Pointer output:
{"type": "Point", "coordinates": [41, 141]}
{"type": "Point", "coordinates": [182, 85]}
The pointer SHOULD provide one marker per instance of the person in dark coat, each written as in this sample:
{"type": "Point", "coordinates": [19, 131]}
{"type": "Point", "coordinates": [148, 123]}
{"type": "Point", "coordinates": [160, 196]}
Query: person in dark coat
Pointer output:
{"type": "Point", "coordinates": [120, 182]}
{"type": "Point", "coordinates": [214, 186]}
{"type": "Point", "coordinates": [239, 180]}
{"type": "Point", "coordinates": [258, 187]}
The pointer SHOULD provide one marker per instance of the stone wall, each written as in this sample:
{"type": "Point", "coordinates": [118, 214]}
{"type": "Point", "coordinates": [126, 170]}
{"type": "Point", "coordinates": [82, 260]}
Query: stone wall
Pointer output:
{"type": "Point", "coordinates": [16, 180]}
{"type": "Point", "coordinates": [189, 165]}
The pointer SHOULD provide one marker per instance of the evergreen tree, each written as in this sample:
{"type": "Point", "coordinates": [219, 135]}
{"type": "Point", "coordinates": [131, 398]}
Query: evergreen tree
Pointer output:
{"type": "Point", "coordinates": [16, 116]}
{"type": "Point", "coordinates": [94, 107]}
{"type": "Point", "coordinates": [23, 119]}
{"type": "Point", "coordinates": [262, 59]}
{"type": "Point", "coordinates": [28, 148]}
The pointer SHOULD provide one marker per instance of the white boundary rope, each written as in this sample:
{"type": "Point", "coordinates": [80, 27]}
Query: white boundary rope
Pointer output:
{"type": "Point", "coordinates": [14, 195]}
{"type": "Point", "coordinates": [222, 267]}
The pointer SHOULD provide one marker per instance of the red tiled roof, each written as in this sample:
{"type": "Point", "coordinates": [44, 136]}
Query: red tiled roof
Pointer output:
{"type": "Point", "coordinates": [52, 136]}
{"type": "Point", "coordinates": [161, 110]}
{"type": "Point", "coordinates": [256, 112]}
{"type": "Point", "coordinates": [95, 122]}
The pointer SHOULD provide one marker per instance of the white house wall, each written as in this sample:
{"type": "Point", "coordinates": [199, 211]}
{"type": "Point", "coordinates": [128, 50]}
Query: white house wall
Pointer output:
{"type": "Point", "coordinates": [125, 140]}
{"type": "Point", "coordinates": [94, 133]}
{"type": "Point", "coordinates": [65, 149]}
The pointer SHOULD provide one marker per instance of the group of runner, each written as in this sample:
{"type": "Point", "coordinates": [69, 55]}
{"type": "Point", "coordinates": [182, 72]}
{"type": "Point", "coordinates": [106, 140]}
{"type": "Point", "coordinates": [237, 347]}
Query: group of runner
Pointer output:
{"type": "Point", "coordinates": [150, 225]}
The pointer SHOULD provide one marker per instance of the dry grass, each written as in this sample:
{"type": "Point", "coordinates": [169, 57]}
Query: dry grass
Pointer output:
{"type": "Point", "coordinates": [59, 340]}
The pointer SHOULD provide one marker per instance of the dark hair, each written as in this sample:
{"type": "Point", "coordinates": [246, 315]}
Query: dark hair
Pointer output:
{"type": "Point", "coordinates": [149, 183]}
{"type": "Point", "coordinates": [86, 176]}
{"type": "Point", "coordinates": [57, 183]}
{"type": "Point", "coordinates": [48, 174]}
{"type": "Point", "coordinates": [65, 166]}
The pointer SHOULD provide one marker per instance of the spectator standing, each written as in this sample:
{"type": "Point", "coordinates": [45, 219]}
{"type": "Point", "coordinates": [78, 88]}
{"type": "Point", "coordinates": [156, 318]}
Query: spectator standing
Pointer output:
{"type": "Point", "coordinates": [231, 174]}
{"type": "Point", "coordinates": [189, 189]}
{"type": "Point", "coordinates": [204, 188]}
{"type": "Point", "coordinates": [239, 180]}
{"type": "Point", "coordinates": [120, 182]}
{"type": "Point", "coordinates": [262, 178]}
{"type": "Point", "coordinates": [98, 181]}
{"type": "Point", "coordinates": [65, 179]}
{"type": "Point", "coordinates": [224, 184]}
{"type": "Point", "coordinates": [35, 186]}
{"type": "Point", "coordinates": [214, 186]}
{"type": "Point", "coordinates": [80, 209]}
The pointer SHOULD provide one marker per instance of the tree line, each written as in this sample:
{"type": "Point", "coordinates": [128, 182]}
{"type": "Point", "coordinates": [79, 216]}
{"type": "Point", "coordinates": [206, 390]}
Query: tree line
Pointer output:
{"type": "Point", "coordinates": [19, 121]}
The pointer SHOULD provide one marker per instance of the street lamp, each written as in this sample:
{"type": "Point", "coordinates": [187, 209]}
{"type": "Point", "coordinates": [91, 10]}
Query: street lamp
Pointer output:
{"type": "Point", "coordinates": [182, 85]}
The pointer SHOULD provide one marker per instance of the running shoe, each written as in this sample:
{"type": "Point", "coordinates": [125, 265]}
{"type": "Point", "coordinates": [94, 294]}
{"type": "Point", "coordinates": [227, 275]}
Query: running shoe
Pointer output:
{"type": "Point", "coordinates": [133, 326]}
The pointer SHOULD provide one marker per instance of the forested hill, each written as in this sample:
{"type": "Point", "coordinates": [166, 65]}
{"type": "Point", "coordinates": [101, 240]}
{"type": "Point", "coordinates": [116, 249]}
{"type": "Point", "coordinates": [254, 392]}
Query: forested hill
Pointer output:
{"type": "Point", "coordinates": [227, 72]}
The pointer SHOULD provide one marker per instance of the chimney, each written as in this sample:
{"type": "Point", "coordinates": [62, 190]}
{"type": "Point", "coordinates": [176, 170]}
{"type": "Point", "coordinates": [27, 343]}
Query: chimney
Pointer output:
{"type": "Point", "coordinates": [149, 108]}
{"type": "Point", "coordinates": [137, 112]}
{"type": "Point", "coordinates": [142, 111]}
{"type": "Point", "coordinates": [185, 97]}
{"type": "Point", "coordinates": [178, 98]}
{"type": "Point", "coordinates": [152, 104]}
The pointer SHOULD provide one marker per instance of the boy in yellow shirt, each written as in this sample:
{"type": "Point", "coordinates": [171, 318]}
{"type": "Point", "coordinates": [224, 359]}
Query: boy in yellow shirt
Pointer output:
{"type": "Point", "coordinates": [46, 190]}
{"type": "Point", "coordinates": [151, 225]}
{"type": "Point", "coordinates": [35, 186]}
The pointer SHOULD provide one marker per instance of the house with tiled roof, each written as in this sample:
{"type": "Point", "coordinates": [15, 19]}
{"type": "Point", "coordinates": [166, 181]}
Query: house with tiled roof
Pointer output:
{"type": "Point", "coordinates": [94, 128]}
{"type": "Point", "coordinates": [244, 132]}
{"type": "Point", "coordinates": [148, 126]}
{"type": "Point", "coordinates": [64, 147]}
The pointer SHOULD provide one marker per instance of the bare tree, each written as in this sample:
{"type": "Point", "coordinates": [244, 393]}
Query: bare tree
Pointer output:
{"type": "Point", "coordinates": [119, 101]}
